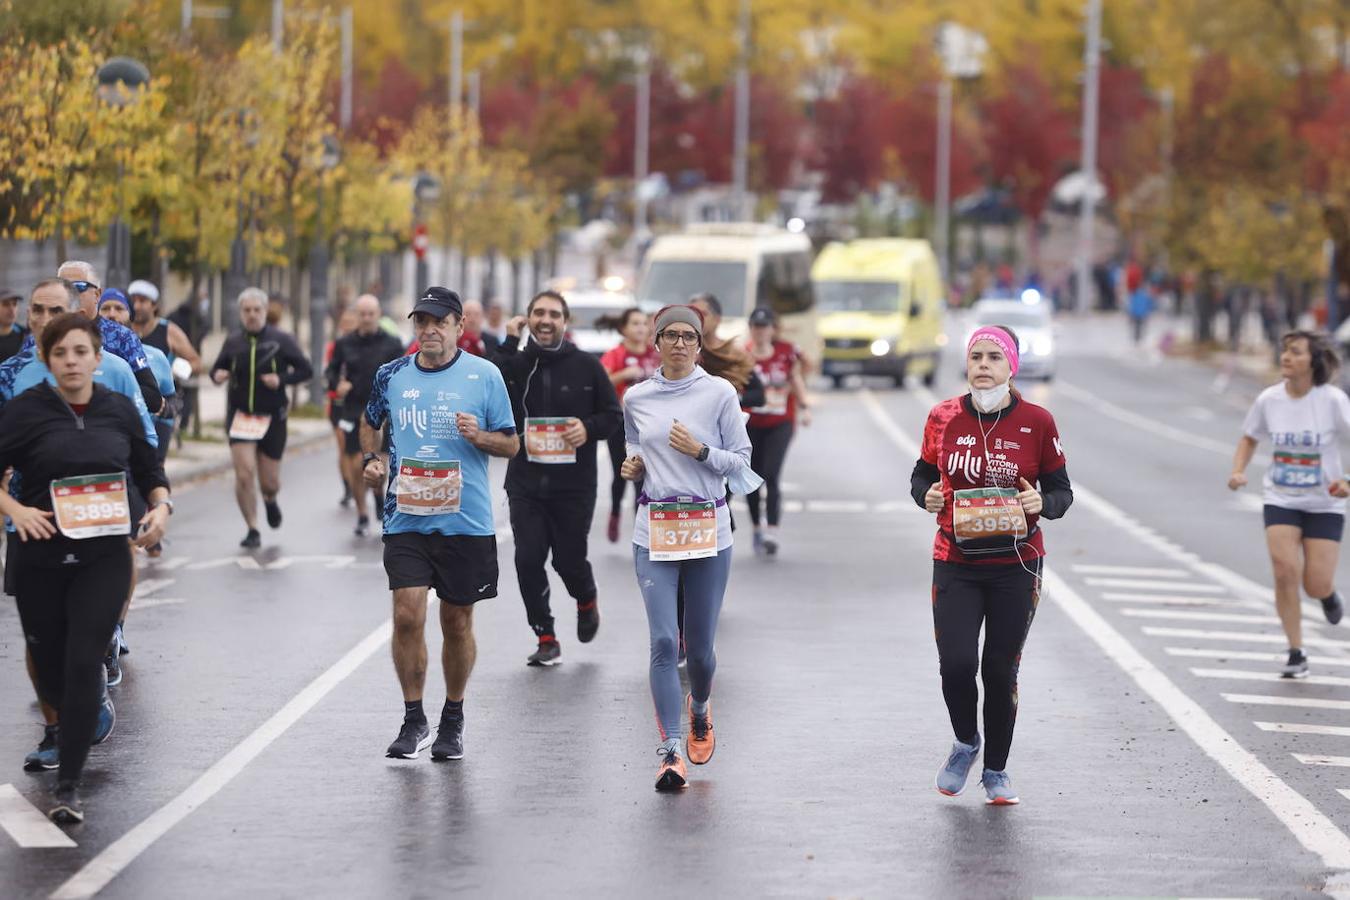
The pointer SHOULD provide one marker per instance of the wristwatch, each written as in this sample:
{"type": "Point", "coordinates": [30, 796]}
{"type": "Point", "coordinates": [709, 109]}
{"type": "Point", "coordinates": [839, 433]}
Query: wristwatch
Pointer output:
{"type": "Point", "coordinates": [367, 458]}
{"type": "Point", "coordinates": [165, 502]}
{"type": "Point", "coordinates": [703, 454]}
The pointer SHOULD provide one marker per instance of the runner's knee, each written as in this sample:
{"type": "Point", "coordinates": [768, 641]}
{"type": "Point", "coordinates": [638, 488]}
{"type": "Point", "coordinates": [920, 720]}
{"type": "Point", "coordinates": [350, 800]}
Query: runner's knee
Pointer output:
{"type": "Point", "coordinates": [665, 650]}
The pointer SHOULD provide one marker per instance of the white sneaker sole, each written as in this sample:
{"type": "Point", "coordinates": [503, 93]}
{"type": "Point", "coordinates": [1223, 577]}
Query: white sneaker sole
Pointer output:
{"type": "Point", "coordinates": [423, 744]}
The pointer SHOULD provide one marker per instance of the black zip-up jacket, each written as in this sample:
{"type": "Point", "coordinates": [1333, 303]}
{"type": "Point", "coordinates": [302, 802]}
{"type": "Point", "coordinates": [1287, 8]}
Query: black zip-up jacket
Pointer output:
{"type": "Point", "coordinates": [43, 438]}
{"type": "Point", "coordinates": [248, 357]}
{"type": "Point", "coordinates": [562, 382]}
{"type": "Point", "coordinates": [357, 357]}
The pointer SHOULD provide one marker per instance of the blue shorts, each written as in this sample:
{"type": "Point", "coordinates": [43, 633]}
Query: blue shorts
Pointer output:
{"type": "Point", "coordinates": [1323, 526]}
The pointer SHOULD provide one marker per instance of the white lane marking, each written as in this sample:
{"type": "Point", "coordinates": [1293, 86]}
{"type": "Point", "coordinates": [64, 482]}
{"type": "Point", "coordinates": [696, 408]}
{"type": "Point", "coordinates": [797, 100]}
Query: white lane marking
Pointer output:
{"type": "Point", "coordinates": [837, 506]}
{"type": "Point", "coordinates": [1199, 616]}
{"type": "Point", "coordinates": [1244, 675]}
{"type": "Point", "coordinates": [887, 425]}
{"type": "Point", "coordinates": [102, 869]}
{"type": "Point", "coordinates": [167, 565]}
{"type": "Point", "coordinates": [1164, 599]}
{"type": "Point", "coordinates": [147, 586]}
{"type": "Point", "coordinates": [1317, 759]}
{"type": "Point", "coordinates": [1344, 792]}
{"type": "Point", "coordinates": [1241, 637]}
{"type": "Point", "coordinates": [1304, 728]}
{"type": "Point", "coordinates": [1305, 702]}
{"type": "Point", "coordinates": [244, 562]}
{"type": "Point", "coordinates": [1136, 571]}
{"type": "Point", "coordinates": [152, 602]}
{"type": "Point", "coordinates": [23, 822]}
{"type": "Point", "coordinates": [1138, 584]}
{"type": "Point", "coordinates": [1251, 655]}
{"type": "Point", "coordinates": [1130, 417]}
{"type": "Point", "coordinates": [1312, 829]}
{"type": "Point", "coordinates": [328, 562]}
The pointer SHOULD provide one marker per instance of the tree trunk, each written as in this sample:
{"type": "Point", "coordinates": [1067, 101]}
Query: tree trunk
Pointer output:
{"type": "Point", "coordinates": [515, 284]}
{"type": "Point", "coordinates": [1204, 308]}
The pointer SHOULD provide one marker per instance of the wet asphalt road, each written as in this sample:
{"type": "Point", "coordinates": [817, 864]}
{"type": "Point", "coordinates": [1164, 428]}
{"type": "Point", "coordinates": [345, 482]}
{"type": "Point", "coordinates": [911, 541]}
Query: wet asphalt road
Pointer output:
{"type": "Point", "coordinates": [829, 716]}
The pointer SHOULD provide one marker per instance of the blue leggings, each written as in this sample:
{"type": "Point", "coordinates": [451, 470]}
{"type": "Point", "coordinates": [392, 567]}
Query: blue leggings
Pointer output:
{"type": "Point", "coordinates": [705, 583]}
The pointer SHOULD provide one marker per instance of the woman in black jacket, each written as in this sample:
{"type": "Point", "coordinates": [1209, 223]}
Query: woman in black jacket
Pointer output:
{"type": "Point", "coordinates": [74, 444]}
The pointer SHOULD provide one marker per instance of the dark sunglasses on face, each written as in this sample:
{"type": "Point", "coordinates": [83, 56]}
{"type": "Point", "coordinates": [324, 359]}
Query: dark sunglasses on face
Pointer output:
{"type": "Point", "coordinates": [82, 286]}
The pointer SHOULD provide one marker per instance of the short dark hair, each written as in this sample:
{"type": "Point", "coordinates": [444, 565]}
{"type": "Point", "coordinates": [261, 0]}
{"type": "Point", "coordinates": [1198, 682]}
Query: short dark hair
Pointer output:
{"type": "Point", "coordinates": [1325, 360]}
{"type": "Point", "coordinates": [63, 325]}
{"type": "Point", "coordinates": [549, 295]}
{"type": "Point", "coordinates": [711, 300]}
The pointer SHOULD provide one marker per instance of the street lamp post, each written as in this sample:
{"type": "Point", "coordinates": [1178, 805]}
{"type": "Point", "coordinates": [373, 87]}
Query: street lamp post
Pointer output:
{"type": "Point", "coordinates": [120, 80]}
{"type": "Point", "coordinates": [426, 189]}
{"type": "Point", "coordinates": [962, 53]}
{"type": "Point", "coordinates": [641, 145]}
{"type": "Point", "coordinates": [236, 277]}
{"type": "Point", "coordinates": [318, 276]}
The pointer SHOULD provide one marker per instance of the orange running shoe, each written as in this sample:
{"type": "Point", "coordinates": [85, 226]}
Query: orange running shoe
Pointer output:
{"type": "Point", "coordinates": [700, 742]}
{"type": "Point", "coordinates": [672, 776]}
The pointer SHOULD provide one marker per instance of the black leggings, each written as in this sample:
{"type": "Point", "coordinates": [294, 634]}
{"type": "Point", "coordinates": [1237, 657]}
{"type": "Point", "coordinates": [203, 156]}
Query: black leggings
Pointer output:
{"type": "Point", "coordinates": [769, 448]}
{"type": "Point", "coordinates": [1003, 598]}
{"type": "Point", "coordinates": [560, 527]}
{"type": "Point", "coordinates": [68, 614]}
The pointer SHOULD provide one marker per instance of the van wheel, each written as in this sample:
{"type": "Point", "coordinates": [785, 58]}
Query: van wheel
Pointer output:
{"type": "Point", "coordinates": [898, 376]}
{"type": "Point", "coordinates": [838, 382]}
{"type": "Point", "coordinates": [931, 378]}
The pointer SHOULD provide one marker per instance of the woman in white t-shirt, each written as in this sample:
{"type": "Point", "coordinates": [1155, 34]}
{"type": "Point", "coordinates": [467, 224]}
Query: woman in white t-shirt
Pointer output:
{"type": "Point", "coordinates": [1303, 418]}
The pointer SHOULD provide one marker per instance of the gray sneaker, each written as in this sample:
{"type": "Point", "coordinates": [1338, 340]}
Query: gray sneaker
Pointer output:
{"type": "Point", "coordinates": [951, 778]}
{"type": "Point", "coordinates": [998, 789]}
{"type": "Point", "coordinates": [1297, 666]}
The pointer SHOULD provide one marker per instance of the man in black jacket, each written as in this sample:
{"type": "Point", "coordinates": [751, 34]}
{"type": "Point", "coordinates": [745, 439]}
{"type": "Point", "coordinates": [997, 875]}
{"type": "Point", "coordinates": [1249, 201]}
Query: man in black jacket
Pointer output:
{"type": "Point", "coordinates": [260, 362]}
{"type": "Point", "coordinates": [564, 404]}
{"type": "Point", "coordinates": [351, 378]}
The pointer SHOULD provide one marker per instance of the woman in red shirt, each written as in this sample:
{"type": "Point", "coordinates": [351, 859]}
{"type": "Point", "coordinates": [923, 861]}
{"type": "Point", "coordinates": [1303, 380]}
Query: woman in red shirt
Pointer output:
{"type": "Point", "coordinates": [634, 360]}
{"type": "Point", "coordinates": [983, 453]}
{"type": "Point", "coordinates": [779, 366]}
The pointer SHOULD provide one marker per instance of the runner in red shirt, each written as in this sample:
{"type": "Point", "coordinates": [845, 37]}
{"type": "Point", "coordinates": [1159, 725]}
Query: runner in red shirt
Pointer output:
{"type": "Point", "coordinates": [771, 426]}
{"type": "Point", "coordinates": [634, 360]}
{"type": "Point", "coordinates": [983, 453]}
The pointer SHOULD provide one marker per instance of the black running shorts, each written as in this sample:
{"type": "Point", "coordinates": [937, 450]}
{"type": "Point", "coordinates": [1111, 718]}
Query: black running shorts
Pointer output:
{"type": "Point", "coordinates": [462, 568]}
{"type": "Point", "coordinates": [1323, 526]}
{"type": "Point", "coordinates": [273, 443]}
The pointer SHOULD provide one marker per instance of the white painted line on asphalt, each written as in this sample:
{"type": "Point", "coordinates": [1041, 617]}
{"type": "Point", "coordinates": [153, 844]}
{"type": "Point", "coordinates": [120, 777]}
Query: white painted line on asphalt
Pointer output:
{"type": "Point", "coordinates": [1199, 616]}
{"type": "Point", "coordinates": [1244, 675]}
{"type": "Point", "coordinates": [1313, 830]}
{"type": "Point", "coordinates": [147, 586]}
{"type": "Point", "coordinates": [1138, 584]}
{"type": "Point", "coordinates": [1344, 792]}
{"type": "Point", "coordinates": [837, 506]}
{"type": "Point", "coordinates": [887, 425]}
{"type": "Point", "coordinates": [23, 822]}
{"type": "Point", "coordinates": [1241, 637]}
{"type": "Point", "coordinates": [1254, 656]}
{"type": "Point", "coordinates": [1136, 571]}
{"type": "Point", "coordinates": [1304, 728]}
{"type": "Point", "coordinates": [152, 602]}
{"type": "Point", "coordinates": [1178, 435]}
{"type": "Point", "coordinates": [1316, 759]}
{"type": "Point", "coordinates": [1164, 599]}
{"type": "Point", "coordinates": [1309, 826]}
{"type": "Point", "coordinates": [1305, 702]}
{"type": "Point", "coordinates": [102, 869]}
{"type": "Point", "coordinates": [167, 565]}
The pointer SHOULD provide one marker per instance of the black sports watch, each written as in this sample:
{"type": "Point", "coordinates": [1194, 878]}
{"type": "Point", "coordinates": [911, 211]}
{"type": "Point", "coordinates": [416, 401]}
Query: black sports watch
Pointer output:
{"type": "Point", "coordinates": [367, 458]}
{"type": "Point", "coordinates": [703, 454]}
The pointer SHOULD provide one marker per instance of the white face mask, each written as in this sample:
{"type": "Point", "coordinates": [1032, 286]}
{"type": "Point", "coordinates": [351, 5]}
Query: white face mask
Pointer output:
{"type": "Point", "coordinates": [987, 400]}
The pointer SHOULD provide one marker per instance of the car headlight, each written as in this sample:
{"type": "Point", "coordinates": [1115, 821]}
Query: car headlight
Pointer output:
{"type": "Point", "coordinates": [1042, 345]}
{"type": "Point", "coordinates": [881, 347]}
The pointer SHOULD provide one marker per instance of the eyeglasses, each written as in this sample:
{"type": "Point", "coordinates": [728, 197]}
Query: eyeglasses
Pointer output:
{"type": "Point", "coordinates": [679, 337]}
{"type": "Point", "coordinates": [82, 286]}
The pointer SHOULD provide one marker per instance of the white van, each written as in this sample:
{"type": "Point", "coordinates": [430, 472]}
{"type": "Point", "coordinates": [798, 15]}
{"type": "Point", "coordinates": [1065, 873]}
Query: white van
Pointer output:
{"type": "Point", "coordinates": [743, 264]}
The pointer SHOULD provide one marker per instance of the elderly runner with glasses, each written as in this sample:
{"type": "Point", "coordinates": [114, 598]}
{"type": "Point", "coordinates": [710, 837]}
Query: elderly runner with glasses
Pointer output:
{"type": "Point", "coordinates": [685, 438]}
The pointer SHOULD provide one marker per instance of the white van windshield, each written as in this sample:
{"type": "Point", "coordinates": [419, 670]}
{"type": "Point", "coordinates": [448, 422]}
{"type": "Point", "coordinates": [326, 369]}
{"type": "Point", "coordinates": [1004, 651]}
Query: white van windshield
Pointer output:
{"type": "Point", "coordinates": [670, 281]}
{"type": "Point", "coordinates": [857, 296]}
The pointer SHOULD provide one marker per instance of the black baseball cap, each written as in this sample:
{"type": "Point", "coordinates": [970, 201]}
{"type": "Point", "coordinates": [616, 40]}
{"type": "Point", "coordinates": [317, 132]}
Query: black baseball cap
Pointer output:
{"type": "Point", "coordinates": [439, 302]}
{"type": "Point", "coordinates": [10, 294]}
{"type": "Point", "coordinates": [762, 315]}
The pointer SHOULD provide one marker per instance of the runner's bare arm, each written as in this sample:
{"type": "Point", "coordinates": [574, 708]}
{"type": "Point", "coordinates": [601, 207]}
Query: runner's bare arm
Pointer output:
{"type": "Point", "coordinates": [1242, 457]}
{"type": "Point", "coordinates": [180, 346]}
{"type": "Point", "coordinates": [496, 443]}
{"type": "Point", "coordinates": [371, 438]}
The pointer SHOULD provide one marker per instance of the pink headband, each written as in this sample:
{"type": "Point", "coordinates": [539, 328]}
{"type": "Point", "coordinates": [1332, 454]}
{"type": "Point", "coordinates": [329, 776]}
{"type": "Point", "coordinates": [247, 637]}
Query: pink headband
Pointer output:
{"type": "Point", "coordinates": [1000, 339]}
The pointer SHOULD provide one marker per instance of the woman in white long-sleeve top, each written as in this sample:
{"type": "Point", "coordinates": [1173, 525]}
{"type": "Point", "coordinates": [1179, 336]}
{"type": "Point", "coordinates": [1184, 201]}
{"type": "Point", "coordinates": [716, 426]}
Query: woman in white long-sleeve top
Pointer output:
{"type": "Point", "coordinates": [685, 439]}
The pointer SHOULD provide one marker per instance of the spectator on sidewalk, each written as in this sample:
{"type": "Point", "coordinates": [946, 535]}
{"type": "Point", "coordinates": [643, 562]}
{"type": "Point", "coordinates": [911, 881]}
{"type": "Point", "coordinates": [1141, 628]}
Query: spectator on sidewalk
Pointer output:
{"type": "Point", "coordinates": [1141, 307]}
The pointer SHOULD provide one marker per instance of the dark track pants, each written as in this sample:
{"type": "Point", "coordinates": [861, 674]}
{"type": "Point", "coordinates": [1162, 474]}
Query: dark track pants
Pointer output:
{"type": "Point", "coordinates": [559, 526]}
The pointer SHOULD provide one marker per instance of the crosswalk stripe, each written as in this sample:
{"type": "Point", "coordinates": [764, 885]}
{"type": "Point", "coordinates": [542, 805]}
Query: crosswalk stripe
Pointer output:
{"type": "Point", "coordinates": [1164, 599]}
{"type": "Point", "coordinates": [1199, 616]}
{"type": "Point", "coordinates": [1315, 759]}
{"type": "Point", "coordinates": [25, 824]}
{"type": "Point", "coordinates": [1255, 656]}
{"type": "Point", "coordinates": [1241, 636]}
{"type": "Point", "coordinates": [1241, 675]}
{"type": "Point", "coordinates": [1143, 584]}
{"type": "Point", "coordinates": [1304, 728]}
{"type": "Point", "coordinates": [1305, 702]}
{"type": "Point", "coordinates": [1137, 571]}
{"type": "Point", "coordinates": [1344, 792]}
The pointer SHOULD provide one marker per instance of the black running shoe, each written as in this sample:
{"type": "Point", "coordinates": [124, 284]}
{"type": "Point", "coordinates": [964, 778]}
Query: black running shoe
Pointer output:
{"type": "Point", "coordinates": [252, 540]}
{"type": "Point", "coordinates": [449, 738]}
{"type": "Point", "coordinates": [67, 807]}
{"type": "Point", "coordinates": [47, 756]}
{"type": "Point", "coordinates": [1297, 667]}
{"type": "Point", "coordinates": [112, 664]}
{"type": "Point", "coordinates": [273, 513]}
{"type": "Point", "coordinates": [412, 739]}
{"type": "Point", "coordinates": [548, 654]}
{"type": "Point", "coordinates": [362, 526]}
{"type": "Point", "coordinates": [1333, 608]}
{"type": "Point", "coordinates": [588, 621]}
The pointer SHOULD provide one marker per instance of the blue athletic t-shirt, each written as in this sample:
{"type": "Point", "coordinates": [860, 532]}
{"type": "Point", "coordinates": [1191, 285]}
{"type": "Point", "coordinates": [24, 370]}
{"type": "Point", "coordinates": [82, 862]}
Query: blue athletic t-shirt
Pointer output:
{"type": "Point", "coordinates": [121, 341]}
{"type": "Point", "coordinates": [163, 369]}
{"type": "Point", "coordinates": [420, 405]}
